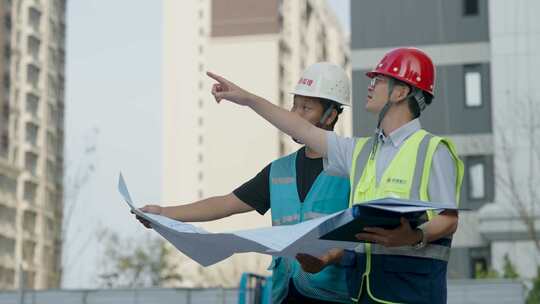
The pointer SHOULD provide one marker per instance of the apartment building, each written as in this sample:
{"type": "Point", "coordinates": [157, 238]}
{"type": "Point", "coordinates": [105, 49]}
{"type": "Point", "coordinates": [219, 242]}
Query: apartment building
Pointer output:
{"type": "Point", "coordinates": [486, 55]}
{"type": "Point", "coordinates": [32, 45]}
{"type": "Point", "coordinates": [211, 149]}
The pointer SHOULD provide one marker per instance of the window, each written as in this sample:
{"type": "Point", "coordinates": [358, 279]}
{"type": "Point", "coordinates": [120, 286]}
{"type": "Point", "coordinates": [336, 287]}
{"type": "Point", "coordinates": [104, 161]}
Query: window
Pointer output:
{"type": "Point", "coordinates": [7, 276]}
{"type": "Point", "coordinates": [51, 143]}
{"type": "Point", "coordinates": [476, 175]}
{"type": "Point", "coordinates": [30, 162]}
{"type": "Point", "coordinates": [49, 228]}
{"type": "Point", "coordinates": [4, 144]}
{"type": "Point", "coordinates": [7, 83]}
{"type": "Point", "coordinates": [470, 8]}
{"type": "Point", "coordinates": [32, 104]}
{"type": "Point", "coordinates": [479, 267]}
{"type": "Point", "coordinates": [7, 246]}
{"type": "Point", "coordinates": [473, 86]}
{"type": "Point", "coordinates": [7, 51]}
{"type": "Point", "coordinates": [52, 88]}
{"type": "Point", "coordinates": [51, 200]}
{"type": "Point", "coordinates": [32, 75]}
{"type": "Point", "coordinates": [8, 215]}
{"type": "Point", "coordinates": [29, 249]}
{"type": "Point", "coordinates": [54, 63]}
{"type": "Point", "coordinates": [33, 47]}
{"type": "Point", "coordinates": [52, 114]}
{"type": "Point", "coordinates": [31, 133]}
{"type": "Point", "coordinates": [8, 185]}
{"type": "Point", "coordinates": [30, 190]}
{"type": "Point", "coordinates": [7, 22]}
{"type": "Point", "coordinates": [30, 279]}
{"type": "Point", "coordinates": [308, 12]}
{"type": "Point", "coordinates": [51, 171]}
{"type": "Point", "coordinates": [477, 178]}
{"type": "Point", "coordinates": [54, 33]}
{"type": "Point", "coordinates": [479, 258]}
{"type": "Point", "coordinates": [29, 221]}
{"type": "Point", "coordinates": [34, 18]}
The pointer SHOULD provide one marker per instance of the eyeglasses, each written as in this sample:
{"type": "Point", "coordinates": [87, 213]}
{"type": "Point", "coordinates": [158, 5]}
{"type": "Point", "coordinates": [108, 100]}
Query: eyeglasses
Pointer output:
{"type": "Point", "coordinates": [375, 80]}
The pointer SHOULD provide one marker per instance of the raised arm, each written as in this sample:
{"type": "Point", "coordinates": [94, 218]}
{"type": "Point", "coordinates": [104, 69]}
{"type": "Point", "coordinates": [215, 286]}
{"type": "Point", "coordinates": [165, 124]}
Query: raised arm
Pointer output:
{"type": "Point", "coordinates": [282, 119]}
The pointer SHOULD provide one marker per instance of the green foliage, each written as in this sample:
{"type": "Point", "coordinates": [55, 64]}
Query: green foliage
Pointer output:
{"type": "Point", "coordinates": [136, 263]}
{"type": "Point", "coordinates": [509, 270]}
{"type": "Point", "coordinates": [489, 273]}
{"type": "Point", "coordinates": [534, 293]}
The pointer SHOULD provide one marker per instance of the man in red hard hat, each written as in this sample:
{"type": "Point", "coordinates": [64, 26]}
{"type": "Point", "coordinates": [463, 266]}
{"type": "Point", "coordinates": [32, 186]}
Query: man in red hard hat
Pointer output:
{"type": "Point", "coordinates": [401, 265]}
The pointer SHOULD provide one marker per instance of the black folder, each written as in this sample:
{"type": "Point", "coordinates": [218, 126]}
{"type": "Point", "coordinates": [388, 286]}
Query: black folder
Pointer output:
{"type": "Point", "coordinates": [368, 216]}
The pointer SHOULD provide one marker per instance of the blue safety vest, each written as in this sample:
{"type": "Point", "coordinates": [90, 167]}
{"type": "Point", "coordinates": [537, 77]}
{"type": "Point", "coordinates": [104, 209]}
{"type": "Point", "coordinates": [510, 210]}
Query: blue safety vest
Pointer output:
{"type": "Point", "coordinates": [327, 195]}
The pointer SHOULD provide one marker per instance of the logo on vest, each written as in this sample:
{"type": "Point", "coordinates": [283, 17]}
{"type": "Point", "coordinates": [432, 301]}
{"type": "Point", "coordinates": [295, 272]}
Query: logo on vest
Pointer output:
{"type": "Point", "coordinates": [394, 180]}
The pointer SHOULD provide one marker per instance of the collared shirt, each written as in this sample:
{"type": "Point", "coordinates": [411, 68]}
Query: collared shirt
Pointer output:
{"type": "Point", "coordinates": [442, 182]}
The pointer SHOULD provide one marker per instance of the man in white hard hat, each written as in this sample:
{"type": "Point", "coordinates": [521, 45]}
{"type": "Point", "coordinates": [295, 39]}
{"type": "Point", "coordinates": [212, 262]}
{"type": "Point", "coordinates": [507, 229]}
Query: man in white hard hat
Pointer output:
{"type": "Point", "coordinates": [295, 188]}
{"type": "Point", "coordinates": [401, 160]}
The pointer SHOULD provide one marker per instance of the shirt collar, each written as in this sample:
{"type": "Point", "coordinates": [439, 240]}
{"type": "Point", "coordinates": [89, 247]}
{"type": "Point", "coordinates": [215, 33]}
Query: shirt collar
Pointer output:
{"type": "Point", "coordinates": [398, 136]}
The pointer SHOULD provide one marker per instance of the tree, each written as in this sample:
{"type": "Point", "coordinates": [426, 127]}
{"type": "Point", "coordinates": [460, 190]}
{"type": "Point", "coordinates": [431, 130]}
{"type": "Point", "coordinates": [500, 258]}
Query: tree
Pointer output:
{"type": "Point", "coordinates": [517, 154]}
{"type": "Point", "coordinates": [518, 179]}
{"type": "Point", "coordinates": [134, 263]}
{"type": "Point", "coordinates": [224, 274]}
{"type": "Point", "coordinates": [76, 177]}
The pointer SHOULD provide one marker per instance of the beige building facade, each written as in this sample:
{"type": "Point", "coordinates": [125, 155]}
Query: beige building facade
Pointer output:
{"type": "Point", "coordinates": [212, 149]}
{"type": "Point", "coordinates": [31, 142]}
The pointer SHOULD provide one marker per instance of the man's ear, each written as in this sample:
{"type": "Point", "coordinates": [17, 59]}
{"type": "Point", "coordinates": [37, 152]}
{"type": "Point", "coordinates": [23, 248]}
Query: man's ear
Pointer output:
{"type": "Point", "coordinates": [330, 119]}
{"type": "Point", "coordinates": [400, 93]}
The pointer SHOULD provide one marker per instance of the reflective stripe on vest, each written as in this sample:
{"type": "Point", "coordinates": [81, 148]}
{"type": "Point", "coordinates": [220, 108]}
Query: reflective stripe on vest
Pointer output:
{"type": "Point", "coordinates": [413, 184]}
{"type": "Point", "coordinates": [327, 195]}
{"type": "Point", "coordinates": [438, 252]}
{"type": "Point", "coordinates": [363, 156]}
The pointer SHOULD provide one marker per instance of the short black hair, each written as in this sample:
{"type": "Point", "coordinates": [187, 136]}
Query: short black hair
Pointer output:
{"type": "Point", "coordinates": [412, 103]}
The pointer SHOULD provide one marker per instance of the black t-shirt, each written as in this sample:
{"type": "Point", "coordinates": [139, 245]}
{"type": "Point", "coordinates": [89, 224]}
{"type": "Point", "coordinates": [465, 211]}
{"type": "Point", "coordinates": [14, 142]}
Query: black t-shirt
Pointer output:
{"type": "Point", "coordinates": [256, 191]}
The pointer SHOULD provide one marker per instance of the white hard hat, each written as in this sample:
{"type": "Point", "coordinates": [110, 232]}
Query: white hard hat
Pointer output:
{"type": "Point", "coordinates": [325, 80]}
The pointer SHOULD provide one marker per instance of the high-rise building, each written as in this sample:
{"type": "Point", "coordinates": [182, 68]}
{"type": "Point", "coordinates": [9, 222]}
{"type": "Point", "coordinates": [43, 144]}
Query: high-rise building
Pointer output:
{"type": "Point", "coordinates": [211, 149]}
{"type": "Point", "coordinates": [486, 101]}
{"type": "Point", "coordinates": [31, 141]}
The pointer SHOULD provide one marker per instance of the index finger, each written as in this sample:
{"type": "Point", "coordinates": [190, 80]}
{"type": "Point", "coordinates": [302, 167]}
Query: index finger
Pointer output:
{"type": "Point", "coordinates": [216, 77]}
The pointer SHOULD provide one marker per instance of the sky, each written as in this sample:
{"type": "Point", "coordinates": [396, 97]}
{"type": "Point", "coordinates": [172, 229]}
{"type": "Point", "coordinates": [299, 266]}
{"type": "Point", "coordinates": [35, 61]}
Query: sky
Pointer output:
{"type": "Point", "coordinates": [113, 83]}
{"type": "Point", "coordinates": [113, 101]}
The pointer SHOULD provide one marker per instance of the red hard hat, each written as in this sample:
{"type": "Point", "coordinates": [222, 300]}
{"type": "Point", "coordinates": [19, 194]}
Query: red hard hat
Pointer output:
{"type": "Point", "coordinates": [409, 65]}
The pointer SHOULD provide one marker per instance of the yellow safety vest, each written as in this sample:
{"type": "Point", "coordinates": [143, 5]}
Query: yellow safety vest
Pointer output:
{"type": "Point", "coordinates": [406, 177]}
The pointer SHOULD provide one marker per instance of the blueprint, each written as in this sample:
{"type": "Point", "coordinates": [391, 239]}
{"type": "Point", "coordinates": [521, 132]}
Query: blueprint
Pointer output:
{"type": "Point", "coordinates": [288, 240]}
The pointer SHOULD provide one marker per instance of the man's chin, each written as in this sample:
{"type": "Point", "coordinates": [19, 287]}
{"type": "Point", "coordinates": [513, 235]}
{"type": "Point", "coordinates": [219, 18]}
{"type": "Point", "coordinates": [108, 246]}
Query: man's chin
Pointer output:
{"type": "Point", "coordinates": [370, 108]}
{"type": "Point", "coordinates": [297, 141]}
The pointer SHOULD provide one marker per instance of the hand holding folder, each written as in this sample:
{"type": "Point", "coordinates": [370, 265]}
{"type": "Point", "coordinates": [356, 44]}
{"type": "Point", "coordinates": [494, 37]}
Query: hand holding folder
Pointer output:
{"type": "Point", "coordinates": [383, 213]}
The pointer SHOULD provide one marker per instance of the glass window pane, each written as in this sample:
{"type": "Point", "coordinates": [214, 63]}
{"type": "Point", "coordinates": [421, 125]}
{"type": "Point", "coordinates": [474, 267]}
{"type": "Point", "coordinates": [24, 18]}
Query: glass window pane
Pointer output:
{"type": "Point", "coordinates": [473, 89]}
{"type": "Point", "coordinates": [477, 187]}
